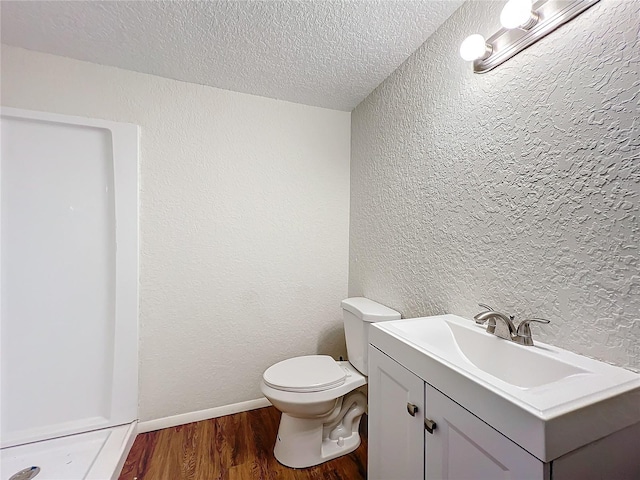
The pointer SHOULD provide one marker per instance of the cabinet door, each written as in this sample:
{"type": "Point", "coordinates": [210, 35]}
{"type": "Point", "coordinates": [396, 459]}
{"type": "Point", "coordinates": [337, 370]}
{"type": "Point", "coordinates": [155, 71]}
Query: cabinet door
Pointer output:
{"type": "Point", "coordinates": [464, 447]}
{"type": "Point", "coordinates": [396, 439]}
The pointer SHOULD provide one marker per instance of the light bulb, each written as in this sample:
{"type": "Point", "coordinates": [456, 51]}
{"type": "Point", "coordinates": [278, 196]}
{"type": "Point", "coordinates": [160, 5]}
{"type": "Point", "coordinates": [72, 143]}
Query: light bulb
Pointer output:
{"type": "Point", "coordinates": [474, 47]}
{"type": "Point", "coordinates": [518, 14]}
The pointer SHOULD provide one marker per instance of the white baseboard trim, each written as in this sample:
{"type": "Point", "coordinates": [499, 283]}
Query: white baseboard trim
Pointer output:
{"type": "Point", "coordinates": [175, 420]}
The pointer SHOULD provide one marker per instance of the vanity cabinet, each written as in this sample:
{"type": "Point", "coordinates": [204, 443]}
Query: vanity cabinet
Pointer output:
{"type": "Point", "coordinates": [464, 447]}
{"type": "Point", "coordinates": [395, 438]}
{"type": "Point", "coordinates": [567, 417]}
{"type": "Point", "coordinates": [461, 446]}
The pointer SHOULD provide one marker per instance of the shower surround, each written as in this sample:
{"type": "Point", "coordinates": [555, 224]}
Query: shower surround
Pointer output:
{"type": "Point", "coordinates": [69, 249]}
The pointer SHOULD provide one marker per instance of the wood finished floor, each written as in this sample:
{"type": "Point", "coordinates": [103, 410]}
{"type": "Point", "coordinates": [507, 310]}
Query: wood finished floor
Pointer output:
{"type": "Point", "coordinates": [235, 447]}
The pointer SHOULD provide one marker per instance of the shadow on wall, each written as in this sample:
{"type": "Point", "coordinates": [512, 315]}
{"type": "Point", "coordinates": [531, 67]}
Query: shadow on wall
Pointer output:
{"type": "Point", "coordinates": [331, 342]}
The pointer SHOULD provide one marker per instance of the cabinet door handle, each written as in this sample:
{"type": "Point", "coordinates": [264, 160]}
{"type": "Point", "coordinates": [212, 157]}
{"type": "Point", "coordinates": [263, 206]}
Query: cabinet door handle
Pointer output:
{"type": "Point", "coordinates": [429, 425]}
{"type": "Point", "coordinates": [412, 409]}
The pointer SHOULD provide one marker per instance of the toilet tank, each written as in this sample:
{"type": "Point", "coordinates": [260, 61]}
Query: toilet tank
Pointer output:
{"type": "Point", "coordinates": [358, 313]}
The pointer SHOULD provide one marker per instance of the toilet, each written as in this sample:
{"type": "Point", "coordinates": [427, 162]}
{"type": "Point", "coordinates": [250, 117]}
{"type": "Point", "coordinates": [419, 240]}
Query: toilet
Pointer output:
{"type": "Point", "coordinates": [318, 396]}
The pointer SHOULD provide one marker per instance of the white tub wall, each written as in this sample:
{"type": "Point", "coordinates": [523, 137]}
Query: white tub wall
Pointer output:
{"type": "Point", "coordinates": [244, 208]}
{"type": "Point", "coordinates": [518, 188]}
{"type": "Point", "coordinates": [67, 200]}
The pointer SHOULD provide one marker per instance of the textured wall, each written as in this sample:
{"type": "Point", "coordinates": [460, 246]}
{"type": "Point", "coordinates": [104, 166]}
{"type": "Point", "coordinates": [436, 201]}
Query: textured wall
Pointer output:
{"type": "Point", "coordinates": [244, 208]}
{"type": "Point", "coordinates": [519, 188]}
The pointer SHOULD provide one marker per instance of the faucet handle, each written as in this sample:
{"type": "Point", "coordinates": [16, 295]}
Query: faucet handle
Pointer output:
{"type": "Point", "coordinates": [487, 309]}
{"type": "Point", "coordinates": [524, 330]}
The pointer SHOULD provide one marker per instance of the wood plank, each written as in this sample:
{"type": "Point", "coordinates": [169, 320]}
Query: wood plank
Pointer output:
{"type": "Point", "coordinates": [234, 447]}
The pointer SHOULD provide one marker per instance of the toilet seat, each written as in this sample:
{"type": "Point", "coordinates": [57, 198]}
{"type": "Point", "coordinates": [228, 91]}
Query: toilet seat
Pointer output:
{"type": "Point", "coordinates": [307, 374]}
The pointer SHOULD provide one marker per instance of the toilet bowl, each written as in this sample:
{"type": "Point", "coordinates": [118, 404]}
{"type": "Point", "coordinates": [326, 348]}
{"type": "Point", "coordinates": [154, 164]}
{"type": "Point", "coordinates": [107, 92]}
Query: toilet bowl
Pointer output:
{"type": "Point", "coordinates": [314, 426]}
{"type": "Point", "coordinates": [318, 396]}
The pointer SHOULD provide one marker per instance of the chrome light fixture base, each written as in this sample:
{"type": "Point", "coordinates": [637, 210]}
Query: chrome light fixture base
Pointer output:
{"type": "Point", "coordinates": [508, 42]}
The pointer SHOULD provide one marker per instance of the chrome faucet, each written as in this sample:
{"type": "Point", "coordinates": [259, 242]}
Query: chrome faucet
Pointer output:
{"type": "Point", "coordinates": [501, 325]}
{"type": "Point", "coordinates": [523, 333]}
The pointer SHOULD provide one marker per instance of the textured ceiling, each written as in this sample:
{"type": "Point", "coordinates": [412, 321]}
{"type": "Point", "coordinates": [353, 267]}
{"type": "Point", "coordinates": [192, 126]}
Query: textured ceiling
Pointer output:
{"type": "Point", "coordinates": [325, 53]}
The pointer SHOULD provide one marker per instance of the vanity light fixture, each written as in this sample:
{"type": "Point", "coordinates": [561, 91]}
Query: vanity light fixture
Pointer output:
{"type": "Point", "coordinates": [524, 23]}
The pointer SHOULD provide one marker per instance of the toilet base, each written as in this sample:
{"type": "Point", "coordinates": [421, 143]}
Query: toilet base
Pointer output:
{"type": "Point", "coordinates": [305, 442]}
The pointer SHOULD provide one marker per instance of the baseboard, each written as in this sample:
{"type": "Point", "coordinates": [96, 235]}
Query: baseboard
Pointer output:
{"type": "Point", "coordinates": [175, 420]}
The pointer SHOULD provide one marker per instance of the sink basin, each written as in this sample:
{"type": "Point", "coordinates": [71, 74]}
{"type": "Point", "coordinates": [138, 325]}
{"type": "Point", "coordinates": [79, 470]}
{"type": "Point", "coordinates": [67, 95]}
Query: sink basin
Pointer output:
{"type": "Point", "coordinates": [549, 400]}
{"type": "Point", "coordinates": [524, 367]}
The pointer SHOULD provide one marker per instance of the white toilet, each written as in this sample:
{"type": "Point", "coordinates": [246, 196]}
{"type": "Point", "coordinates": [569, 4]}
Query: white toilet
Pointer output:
{"type": "Point", "coordinates": [317, 396]}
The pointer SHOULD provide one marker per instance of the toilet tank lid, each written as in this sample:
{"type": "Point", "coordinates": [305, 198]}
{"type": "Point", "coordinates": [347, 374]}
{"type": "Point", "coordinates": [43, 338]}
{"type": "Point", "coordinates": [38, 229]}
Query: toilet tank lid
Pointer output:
{"type": "Point", "coordinates": [368, 310]}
